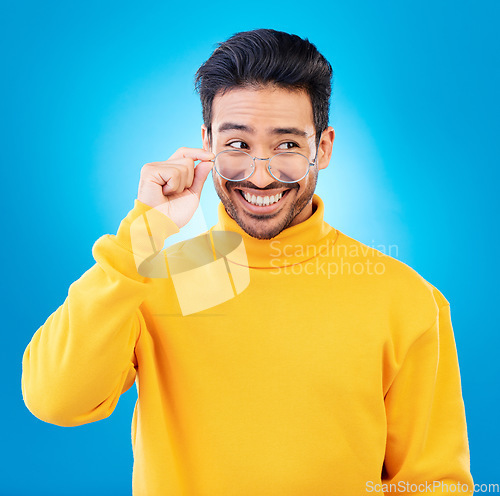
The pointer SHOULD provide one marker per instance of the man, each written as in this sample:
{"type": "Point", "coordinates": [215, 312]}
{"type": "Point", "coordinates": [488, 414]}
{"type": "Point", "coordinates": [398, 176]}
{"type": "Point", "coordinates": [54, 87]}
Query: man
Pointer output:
{"type": "Point", "coordinates": [273, 355]}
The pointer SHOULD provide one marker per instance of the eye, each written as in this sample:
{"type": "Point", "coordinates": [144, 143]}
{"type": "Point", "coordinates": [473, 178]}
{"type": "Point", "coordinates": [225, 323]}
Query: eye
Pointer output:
{"type": "Point", "coordinates": [288, 145]}
{"type": "Point", "coordinates": [238, 144]}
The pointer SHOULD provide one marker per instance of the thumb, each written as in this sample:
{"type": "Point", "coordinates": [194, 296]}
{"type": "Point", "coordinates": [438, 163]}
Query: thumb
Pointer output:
{"type": "Point", "coordinates": [201, 172]}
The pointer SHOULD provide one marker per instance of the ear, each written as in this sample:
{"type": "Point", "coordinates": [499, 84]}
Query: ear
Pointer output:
{"type": "Point", "coordinates": [204, 137]}
{"type": "Point", "coordinates": [325, 147]}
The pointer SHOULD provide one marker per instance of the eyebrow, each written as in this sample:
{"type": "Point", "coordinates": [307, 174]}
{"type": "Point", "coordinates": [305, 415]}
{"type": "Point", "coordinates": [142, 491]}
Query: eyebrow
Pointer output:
{"type": "Point", "coordinates": [232, 126]}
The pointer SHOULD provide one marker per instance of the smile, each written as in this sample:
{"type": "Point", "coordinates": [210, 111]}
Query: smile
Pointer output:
{"type": "Point", "coordinates": [261, 200]}
{"type": "Point", "coordinates": [262, 203]}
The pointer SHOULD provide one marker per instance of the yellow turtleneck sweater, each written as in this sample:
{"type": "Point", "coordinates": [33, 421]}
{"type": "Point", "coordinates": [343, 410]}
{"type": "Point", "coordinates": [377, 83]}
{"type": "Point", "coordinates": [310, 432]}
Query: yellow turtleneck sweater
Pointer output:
{"type": "Point", "coordinates": [306, 365]}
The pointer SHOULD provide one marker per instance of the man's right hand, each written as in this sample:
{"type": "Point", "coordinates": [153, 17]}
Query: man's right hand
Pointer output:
{"type": "Point", "coordinates": [174, 186]}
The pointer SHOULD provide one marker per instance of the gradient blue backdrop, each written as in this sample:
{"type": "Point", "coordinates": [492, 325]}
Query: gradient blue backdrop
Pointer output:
{"type": "Point", "coordinates": [93, 90]}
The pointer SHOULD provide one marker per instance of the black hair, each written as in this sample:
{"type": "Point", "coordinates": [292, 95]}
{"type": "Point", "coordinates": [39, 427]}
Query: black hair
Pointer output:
{"type": "Point", "coordinates": [265, 56]}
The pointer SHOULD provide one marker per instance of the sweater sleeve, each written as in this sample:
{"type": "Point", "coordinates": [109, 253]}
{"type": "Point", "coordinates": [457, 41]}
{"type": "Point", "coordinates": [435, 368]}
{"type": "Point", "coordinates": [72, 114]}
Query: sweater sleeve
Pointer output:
{"type": "Point", "coordinates": [427, 443]}
{"type": "Point", "coordinates": [82, 358]}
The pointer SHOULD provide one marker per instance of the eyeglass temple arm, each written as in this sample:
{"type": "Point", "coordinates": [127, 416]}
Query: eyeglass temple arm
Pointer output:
{"type": "Point", "coordinates": [317, 149]}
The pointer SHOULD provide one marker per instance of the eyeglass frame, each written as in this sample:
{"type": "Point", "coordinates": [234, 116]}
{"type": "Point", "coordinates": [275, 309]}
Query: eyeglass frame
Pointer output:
{"type": "Point", "coordinates": [310, 164]}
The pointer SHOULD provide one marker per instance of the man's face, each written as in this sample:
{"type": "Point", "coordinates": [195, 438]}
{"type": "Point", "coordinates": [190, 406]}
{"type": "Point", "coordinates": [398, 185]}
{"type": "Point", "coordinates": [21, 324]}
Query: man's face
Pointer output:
{"type": "Point", "coordinates": [264, 122]}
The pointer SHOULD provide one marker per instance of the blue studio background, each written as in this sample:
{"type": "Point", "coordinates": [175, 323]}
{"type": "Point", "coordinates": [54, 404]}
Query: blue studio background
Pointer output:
{"type": "Point", "coordinates": [90, 91]}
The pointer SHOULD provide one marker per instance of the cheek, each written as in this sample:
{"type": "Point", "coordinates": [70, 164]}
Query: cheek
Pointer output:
{"type": "Point", "coordinates": [303, 185]}
{"type": "Point", "coordinates": [307, 183]}
{"type": "Point", "coordinates": [219, 183]}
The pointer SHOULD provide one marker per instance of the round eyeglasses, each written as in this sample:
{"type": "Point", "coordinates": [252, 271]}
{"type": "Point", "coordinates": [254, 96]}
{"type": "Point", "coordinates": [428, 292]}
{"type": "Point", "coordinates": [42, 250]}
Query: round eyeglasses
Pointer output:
{"type": "Point", "coordinates": [238, 165]}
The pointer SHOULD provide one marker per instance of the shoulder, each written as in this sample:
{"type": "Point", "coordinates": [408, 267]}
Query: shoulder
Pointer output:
{"type": "Point", "coordinates": [397, 285]}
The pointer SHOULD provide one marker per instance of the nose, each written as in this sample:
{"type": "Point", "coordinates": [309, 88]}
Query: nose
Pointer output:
{"type": "Point", "coordinates": [261, 176]}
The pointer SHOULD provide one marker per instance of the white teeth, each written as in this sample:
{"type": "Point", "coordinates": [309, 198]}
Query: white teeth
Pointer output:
{"type": "Point", "coordinates": [262, 200]}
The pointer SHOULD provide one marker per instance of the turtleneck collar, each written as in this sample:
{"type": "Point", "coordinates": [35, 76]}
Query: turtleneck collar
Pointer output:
{"type": "Point", "coordinates": [293, 245]}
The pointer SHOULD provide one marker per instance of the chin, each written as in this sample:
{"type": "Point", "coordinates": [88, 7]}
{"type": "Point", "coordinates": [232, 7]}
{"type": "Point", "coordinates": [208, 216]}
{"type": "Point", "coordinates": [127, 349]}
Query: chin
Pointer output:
{"type": "Point", "coordinates": [265, 226]}
{"type": "Point", "coordinates": [261, 232]}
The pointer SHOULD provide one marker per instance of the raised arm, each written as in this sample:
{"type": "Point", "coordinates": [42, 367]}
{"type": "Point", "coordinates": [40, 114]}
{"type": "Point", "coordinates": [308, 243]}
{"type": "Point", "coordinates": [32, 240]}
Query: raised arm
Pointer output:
{"type": "Point", "coordinates": [81, 360]}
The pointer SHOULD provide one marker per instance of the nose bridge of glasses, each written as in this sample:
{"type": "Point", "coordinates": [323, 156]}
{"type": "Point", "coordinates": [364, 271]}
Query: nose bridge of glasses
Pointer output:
{"type": "Point", "coordinates": [262, 175]}
{"type": "Point", "coordinates": [268, 159]}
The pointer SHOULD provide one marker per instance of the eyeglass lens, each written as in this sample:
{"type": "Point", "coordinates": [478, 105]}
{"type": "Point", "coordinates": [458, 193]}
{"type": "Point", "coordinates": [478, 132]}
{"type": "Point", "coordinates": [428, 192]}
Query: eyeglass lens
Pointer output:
{"type": "Point", "coordinates": [237, 166]}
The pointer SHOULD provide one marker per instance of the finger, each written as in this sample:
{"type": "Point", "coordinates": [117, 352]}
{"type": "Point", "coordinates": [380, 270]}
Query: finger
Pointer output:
{"type": "Point", "coordinates": [184, 165]}
{"type": "Point", "coordinates": [171, 186]}
{"type": "Point", "coordinates": [172, 179]}
{"type": "Point", "coordinates": [190, 175]}
{"type": "Point", "coordinates": [201, 172]}
{"type": "Point", "coordinates": [193, 153]}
